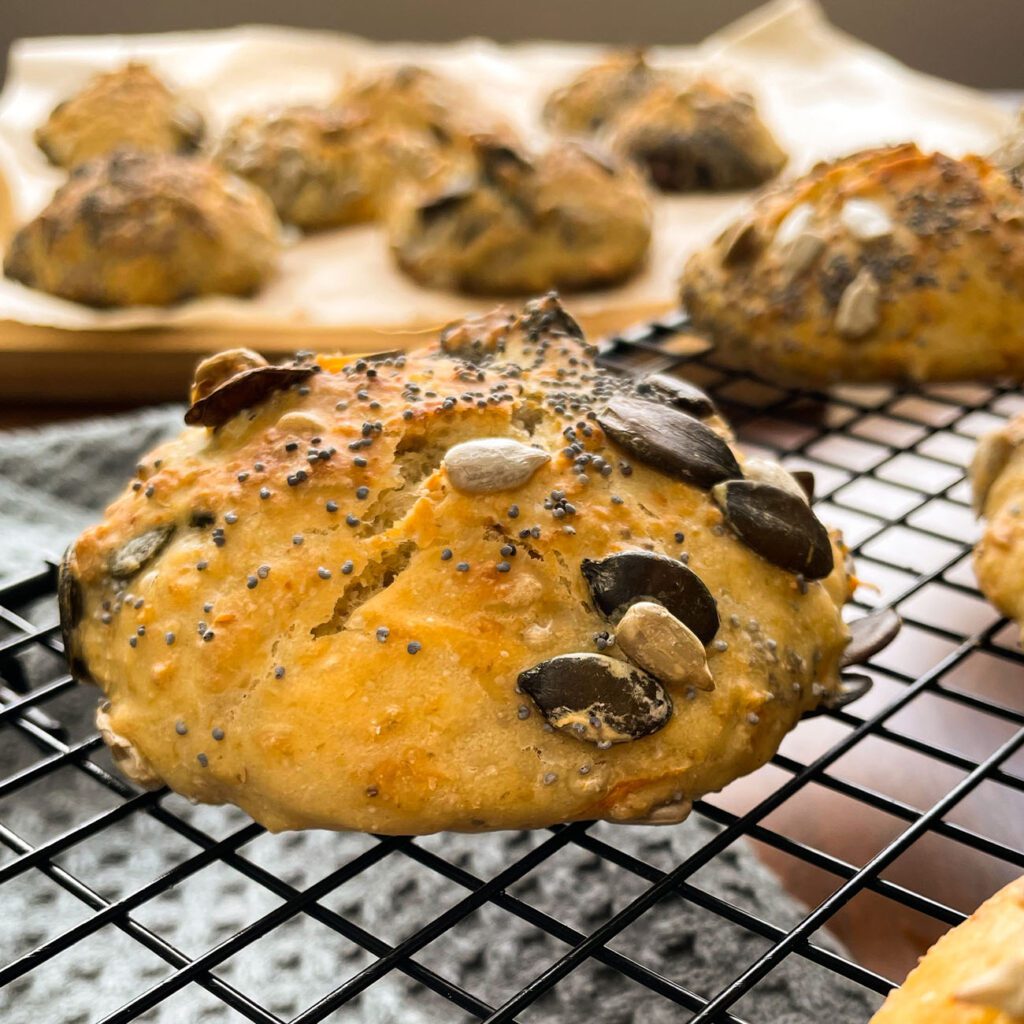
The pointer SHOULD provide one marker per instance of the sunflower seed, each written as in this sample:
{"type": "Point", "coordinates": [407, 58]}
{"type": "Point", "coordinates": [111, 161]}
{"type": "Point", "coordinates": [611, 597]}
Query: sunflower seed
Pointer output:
{"type": "Point", "coordinates": [869, 635]}
{"type": "Point", "coordinates": [653, 638]}
{"type": "Point", "coordinates": [133, 555]}
{"type": "Point", "coordinates": [852, 686]}
{"type": "Point", "coordinates": [777, 525]}
{"type": "Point", "coordinates": [858, 312]}
{"type": "Point", "coordinates": [630, 576]}
{"type": "Point", "coordinates": [669, 440]}
{"type": "Point", "coordinates": [679, 393]}
{"type": "Point", "coordinates": [597, 698]}
{"type": "Point", "coordinates": [491, 464]}
{"type": "Point", "coordinates": [216, 369]}
{"type": "Point", "coordinates": [243, 390]}
{"type": "Point", "coordinates": [766, 471]}
{"type": "Point", "coordinates": [865, 220]}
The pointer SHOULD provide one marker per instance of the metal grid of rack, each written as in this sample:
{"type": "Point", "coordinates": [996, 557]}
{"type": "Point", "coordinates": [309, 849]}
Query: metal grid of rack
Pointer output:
{"type": "Point", "coordinates": [890, 471]}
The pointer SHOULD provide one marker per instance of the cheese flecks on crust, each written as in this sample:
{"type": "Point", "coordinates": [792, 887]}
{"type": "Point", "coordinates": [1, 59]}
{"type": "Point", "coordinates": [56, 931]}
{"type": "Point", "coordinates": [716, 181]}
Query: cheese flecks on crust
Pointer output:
{"type": "Point", "coordinates": [296, 610]}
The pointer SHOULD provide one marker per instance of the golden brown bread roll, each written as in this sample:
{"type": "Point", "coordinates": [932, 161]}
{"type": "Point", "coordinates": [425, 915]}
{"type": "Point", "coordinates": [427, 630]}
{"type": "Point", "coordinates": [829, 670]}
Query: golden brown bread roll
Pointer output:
{"type": "Point", "coordinates": [974, 974]}
{"type": "Point", "coordinates": [482, 585]}
{"type": "Point", "coordinates": [322, 167]}
{"type": "Point", "coordinates": [686, 133]}
{"type": "Point", "coordinates": [568, 218]}
{"type": "Point", "coordinates": [997, 476]}
{"type": "Point", "coordinates": [890, 264]}
{"type": "Point", "coordinates": [136, 228]}
{"type": "Point", "coordinates": [129, 108]}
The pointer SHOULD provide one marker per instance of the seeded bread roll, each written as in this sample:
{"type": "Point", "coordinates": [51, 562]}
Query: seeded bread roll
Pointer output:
{"type": "Point", "coordinates": [974, 974]}
{"type": "Point", "coordinates": [686, 133]}
{"type": "Point", "coordinates": [997, 476]}
{"type": "Point", "coordinates": [599, 94]}
{"type": "Point", "coordinates": [890, 264]}
{"type": "Point", "coordinates": [324, 167]}
{"type": "Point", "coordinates": [129, 108]}
{"type": "Point", "coordinates": [566, 219]}
{"type": "Point", "coordinates": [482, 585]}
{"type": "Point", "coordinates": [698, 135]}
{"type": "Point", "coordinates": [135, 229]}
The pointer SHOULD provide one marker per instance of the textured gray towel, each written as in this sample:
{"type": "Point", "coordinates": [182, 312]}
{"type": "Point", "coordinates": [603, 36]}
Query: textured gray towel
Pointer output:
{"type": "Point", "coordinates": [52, 482]}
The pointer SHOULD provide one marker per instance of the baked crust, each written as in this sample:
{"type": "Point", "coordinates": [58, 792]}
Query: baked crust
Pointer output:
{"type": "Point", "coordinates": [890, 264]}
{"type": "Point", "coordinates": [322, 166]}
{"type": "Point", "coordinates": [270, 635]}
{"type": "Point", "coordinates": [686, 133]}
{"type": "Point", "coordinates": [974, 974]}
{"type": "Point", "coordinates": [129, 108]}
{"type": "Point", "coordinates": [136, 228]}
{"type": "Point", "coordinates": [567, 219]}
{"type": "Point", "coordinates": [697, 136]}
{"type": "Point", "coordinates": [997, 477]}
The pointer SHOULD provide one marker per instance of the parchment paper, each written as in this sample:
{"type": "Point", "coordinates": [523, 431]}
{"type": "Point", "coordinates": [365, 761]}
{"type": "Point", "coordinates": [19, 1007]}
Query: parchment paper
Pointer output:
{"type": "Point", "coordinates": [821, 91]}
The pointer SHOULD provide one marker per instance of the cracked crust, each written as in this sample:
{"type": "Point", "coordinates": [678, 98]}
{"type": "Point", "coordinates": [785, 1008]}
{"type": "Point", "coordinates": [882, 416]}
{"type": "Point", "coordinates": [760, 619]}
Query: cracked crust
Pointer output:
{"type": "Point", "coordinates": [568, 219]}
{"type": "Point", "coordinates": [974, 974]}
{"type": "Point", "coordinates": [997, 478]}
{"type": "Point", "coordinates": [328, 720]}
{"type": "Point", "coordinates": [890, 264]}
{"type": "Point", "coordinates": [130, 108]}
{"type": "Point", "coordinates": [136, 229]}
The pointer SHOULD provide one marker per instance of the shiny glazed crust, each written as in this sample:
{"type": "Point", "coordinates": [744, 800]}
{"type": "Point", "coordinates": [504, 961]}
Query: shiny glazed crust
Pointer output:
{"type": "Point", "coordinates": [567, 219]}
{"type": "Point", "coordinates": [970, 972]}
{"type": "Point", "coordinates": [137, 229]}
{"type": "Point", "coordinates": [129, 108]}
{"type": "Point", "coordinates": [932, 248]}
{"type": "Point", "coordinates": [326, 656]}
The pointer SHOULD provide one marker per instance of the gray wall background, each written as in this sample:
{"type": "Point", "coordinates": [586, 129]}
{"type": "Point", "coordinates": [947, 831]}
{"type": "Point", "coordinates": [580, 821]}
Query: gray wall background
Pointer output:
{"type": "Point", "coordinates": [979, 42]}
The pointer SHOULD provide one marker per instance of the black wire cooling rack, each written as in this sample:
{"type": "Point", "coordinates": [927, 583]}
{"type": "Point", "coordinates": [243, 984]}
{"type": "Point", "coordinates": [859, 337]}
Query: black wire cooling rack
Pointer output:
{"type": "Point", "coordinates": [945, 722]}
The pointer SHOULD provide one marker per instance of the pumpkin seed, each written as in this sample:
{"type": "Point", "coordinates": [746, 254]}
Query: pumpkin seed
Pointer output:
{"type": "Point", "coordinates": [794, 224]}
{"type": "Point", "coordinates": [653, 638]}
{"type": "Point", "coordinates": [998, 987]}
{"type": "Point", "coordinates": [868, 635]}
{"type": "Point", "coordinates": [800, 254]}
{"type": "Point", "coordinates": [669, 440]}
{"type": "Point", "coordinates": [865, 219]}
{"type": "Point", "coordinates": [630, 576]}
{"type": "Point", "coordinates": [490, 464]}
{"type": "Point", "coordinates": [133, 555]}
{"type": "Point", "coordinates": [597, 698]}
{"type": "Point", "coordinates": [858, 312]}
{"type": "Point", "coordinates": [852, 686]}
{"type": "Point", "coordinates": [243, 390]}
{"type": "Point", "coordinates": [777, 525]}
{"type": "Point", "coordinates": [678, 393]}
